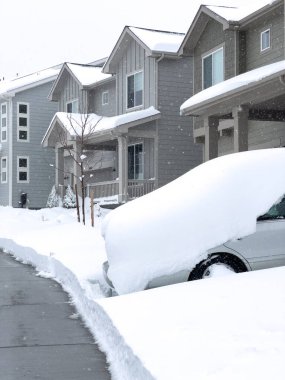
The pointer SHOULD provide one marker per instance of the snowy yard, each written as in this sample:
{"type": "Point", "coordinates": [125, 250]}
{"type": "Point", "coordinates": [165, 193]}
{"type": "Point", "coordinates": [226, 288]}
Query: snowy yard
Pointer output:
{"type": "Point", "coordinates": [227, 327]}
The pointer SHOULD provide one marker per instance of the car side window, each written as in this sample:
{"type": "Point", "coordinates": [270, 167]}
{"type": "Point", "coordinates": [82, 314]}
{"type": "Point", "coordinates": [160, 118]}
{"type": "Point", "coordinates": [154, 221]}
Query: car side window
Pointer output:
{"type": "Point", "coordinates": [275, 212]}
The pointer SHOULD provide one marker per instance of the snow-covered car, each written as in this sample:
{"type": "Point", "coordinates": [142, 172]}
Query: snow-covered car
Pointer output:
{"type": "Point", "coordinates": [228, 213]}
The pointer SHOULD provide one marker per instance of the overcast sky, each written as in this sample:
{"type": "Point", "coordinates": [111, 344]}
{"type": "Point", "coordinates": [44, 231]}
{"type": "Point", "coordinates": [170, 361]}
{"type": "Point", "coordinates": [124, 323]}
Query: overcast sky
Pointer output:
{"type": "Point", "coordinates": [36, 34]}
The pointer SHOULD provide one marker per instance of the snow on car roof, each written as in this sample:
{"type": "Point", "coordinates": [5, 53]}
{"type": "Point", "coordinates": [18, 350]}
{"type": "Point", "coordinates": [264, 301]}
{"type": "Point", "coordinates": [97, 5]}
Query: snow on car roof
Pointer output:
{"type": "Point", "coordinates": [172, 228]}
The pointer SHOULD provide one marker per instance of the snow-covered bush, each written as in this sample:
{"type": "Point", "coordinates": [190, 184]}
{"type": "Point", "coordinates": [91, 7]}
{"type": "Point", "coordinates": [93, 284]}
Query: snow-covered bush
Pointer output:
{"type": "Point", "coordinates": [69, 200]}
{"type": "Point", "coordinates": [54, 200]}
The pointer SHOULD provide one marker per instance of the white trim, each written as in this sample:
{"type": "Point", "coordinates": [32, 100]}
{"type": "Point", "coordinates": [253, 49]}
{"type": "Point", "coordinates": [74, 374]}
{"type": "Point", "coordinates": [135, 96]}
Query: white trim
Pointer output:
{"type": "Point", "coordinates": [4, 170]}
{"type": "Point", "coordinates": [4, 116]}
{"type": "Point", "coordinates": [208, 54]}
{"type": "Point", "coordinates": [261, 35]}
{"type": "Point", "coordinates": [23, 116]}
{"type": "Point", "coordinates": [127, 76]}
{"type": "Point", "coordinates": [72, 102]}
{"type": "Point", "coordinates": [103, 100]}
{"type": "Point", "coordinates": [24, 170]}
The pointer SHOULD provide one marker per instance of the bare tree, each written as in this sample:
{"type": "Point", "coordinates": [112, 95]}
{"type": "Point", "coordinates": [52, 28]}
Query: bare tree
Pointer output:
{"type": "Point", "coordinates": [76, 141]}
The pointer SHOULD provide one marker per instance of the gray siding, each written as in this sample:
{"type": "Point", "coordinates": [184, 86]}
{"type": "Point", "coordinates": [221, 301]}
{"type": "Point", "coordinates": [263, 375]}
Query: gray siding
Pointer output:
{"type": "Point", "coordinates": [135, 59]}
{"type": "Point", "coordinates": [254, 57]}
{"type": "Point", "coordinates": [71, 91]}
{"type": "Point", "coordinates": [95, 99]}
{"type": "Point", "coordinates": [214, 36]}
{"type": "Point", "coordinates": [40, 172]}
{"type": "Point", "coordinates": [4, 189]}
{"type": "Point", "coordinates": [177, 152]}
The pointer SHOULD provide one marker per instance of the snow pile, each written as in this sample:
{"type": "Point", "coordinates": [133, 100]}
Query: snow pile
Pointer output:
{"type": "Point", "coordinates": [171, 228]}
{"type": "Point", "coordinates": [230, 327]}
{"type": "Point", "coordinates": [236, 83]}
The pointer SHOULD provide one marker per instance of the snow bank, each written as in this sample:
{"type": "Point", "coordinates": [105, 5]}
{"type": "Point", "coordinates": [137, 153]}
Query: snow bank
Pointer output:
{"type": "Point", "coordinates": [230, 327]}
{"type": "Point", "coordinates": [167, 230]}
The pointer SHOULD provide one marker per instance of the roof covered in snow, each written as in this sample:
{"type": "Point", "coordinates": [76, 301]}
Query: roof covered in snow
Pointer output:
{"type": "Point", "coordinates": [22, 83]}
{"type": "Point", "coordinates": [87, 75]}
{"type": "Point", "coordinates": [157, 40]}
{"type": "Point", "coordinates": [94, 124]}
{"type": "Point", "coordinates": [236, 84]}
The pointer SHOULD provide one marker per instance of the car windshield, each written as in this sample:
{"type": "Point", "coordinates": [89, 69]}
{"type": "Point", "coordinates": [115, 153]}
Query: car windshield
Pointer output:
{"type": "Point", "coordinates": [275, 212]}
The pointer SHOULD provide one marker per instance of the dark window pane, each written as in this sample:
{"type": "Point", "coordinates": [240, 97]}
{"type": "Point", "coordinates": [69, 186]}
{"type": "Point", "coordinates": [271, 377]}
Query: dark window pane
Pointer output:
{"type": "Point", "coordinates": [207, 71]}
{"type": "Point", "coordinates": [131, 92]}
{"type": "Point", "coordinates": [23, 176]}
{"type": "Point", "coordinates": [23, 135]}
{"type": "Point", "coordinates": [23, 108]}
{"type": "Point", "coordinates": [4, 135]}
{"type": "Point", "coordinates": [23, 121]}
{"type": "Point", "coordinates": [23, 162]}
{"type": "Point", "coordinates": [138, 98]}
{"type": "Point", "coordinates": [131, 161]}
{"type": "Point", "coordinates": [69, 107]}
{"type": "Point", "coordinates": [4, 122]}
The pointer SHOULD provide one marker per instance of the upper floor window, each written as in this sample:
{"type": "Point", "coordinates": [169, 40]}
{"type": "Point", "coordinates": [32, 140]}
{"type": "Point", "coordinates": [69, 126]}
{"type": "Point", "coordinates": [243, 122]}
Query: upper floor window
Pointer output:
{"type": "Point", "coordinates": [213, 68]}
{"type": "Point", "coordinates": [23, 169]}
{"type": "Point", "coordinates": [4, 122]}
{"type": "Point", "coordinates": [265, 40]}
{"type": "Point", "coordinates": [4, 170]}
{"type": "Point", "coordinates": [72, 106]}
{"type": "Point", "coordinates": [105, 98]}
{"type": "Point", "coordinates": [23, 121]}
{"type": "Point", "coordinates": [135, 90]}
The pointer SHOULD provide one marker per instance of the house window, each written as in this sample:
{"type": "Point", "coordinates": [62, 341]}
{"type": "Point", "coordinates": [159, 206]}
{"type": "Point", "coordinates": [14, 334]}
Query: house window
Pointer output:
{"type": "Point", "coordinates": [72, 107]}
{"type": "Point", "coordinates": [135, 90]}
{"type": "Point", "coordinates": [105, 98]}
{"type": "Point", "coordinates": [4, 122]}
{"type": "Point", "coordinates": [23, 169]}
{"type": "Point", "coordinates": [23, 121]}
{"type": "Point", "coordinates": [265, 40]}
{"type": "Point", "coordinates": [213, 68]}
{"type": "Point", "coordinates": [135, 161]}
{"type": "Point", "coordinates": [4, 170]}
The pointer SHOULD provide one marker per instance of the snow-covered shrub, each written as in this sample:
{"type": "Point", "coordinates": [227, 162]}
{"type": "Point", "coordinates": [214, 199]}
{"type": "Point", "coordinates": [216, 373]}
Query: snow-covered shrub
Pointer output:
{"type": "Point", "coordinates": [54, 200]}
{"type": "Point", "coordinates": [69, 200]}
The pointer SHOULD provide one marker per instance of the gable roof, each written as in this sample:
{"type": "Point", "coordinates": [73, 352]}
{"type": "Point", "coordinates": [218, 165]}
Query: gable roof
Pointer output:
{"type": "Point", "coordinates": [18, 84]}
{"type": "Point", "coordinates": [87, 76]}
{"type": "Point", "coordinates": [155, 42]}
{"type": "Point", "coordinates": [97, 125]}
{"type": "Point", "coordinates": [236, 14]}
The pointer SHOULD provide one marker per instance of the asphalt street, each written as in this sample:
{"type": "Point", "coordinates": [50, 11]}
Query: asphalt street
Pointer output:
{"type": "Point", "coordinates": [41, 337]}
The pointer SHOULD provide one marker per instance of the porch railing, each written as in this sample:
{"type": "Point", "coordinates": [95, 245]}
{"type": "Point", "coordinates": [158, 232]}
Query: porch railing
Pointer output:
{"type": "Point", "coordinates": [103, 189]}
{"type": "Point", "coordinates": [139, 187]}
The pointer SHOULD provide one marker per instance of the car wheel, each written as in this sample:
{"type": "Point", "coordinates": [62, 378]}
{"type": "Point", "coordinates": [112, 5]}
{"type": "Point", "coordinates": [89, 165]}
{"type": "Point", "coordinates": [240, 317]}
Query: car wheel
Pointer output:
{"type": "Point", "coordinates": [204, 269]}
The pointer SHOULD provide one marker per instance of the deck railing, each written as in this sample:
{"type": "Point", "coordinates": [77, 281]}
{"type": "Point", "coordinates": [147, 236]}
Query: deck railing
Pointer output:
{"type": "Point", "coordinates": [136, 188]}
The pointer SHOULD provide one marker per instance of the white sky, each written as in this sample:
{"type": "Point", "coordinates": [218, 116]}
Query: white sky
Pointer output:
{"type": "Point", "coordinates": [36, 34]}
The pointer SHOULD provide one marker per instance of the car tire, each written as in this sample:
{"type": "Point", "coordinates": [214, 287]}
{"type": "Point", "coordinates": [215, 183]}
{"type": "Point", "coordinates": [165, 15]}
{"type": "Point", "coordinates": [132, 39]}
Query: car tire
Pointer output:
{"type": "Point", "coordinates": [231, 262]}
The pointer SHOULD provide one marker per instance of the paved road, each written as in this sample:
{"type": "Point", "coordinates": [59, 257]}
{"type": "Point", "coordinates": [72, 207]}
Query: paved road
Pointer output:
{"type": "Point", "coordinates": [38, 339]}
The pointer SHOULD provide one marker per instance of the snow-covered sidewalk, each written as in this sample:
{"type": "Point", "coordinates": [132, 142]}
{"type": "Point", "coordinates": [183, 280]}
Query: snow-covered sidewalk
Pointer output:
{"type": "Point", "coordinates": [228, 327]}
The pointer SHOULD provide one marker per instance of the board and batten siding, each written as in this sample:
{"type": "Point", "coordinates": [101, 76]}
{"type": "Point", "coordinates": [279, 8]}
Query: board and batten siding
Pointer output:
{"type": "Point", "coordinates": [177, 152]}
{"type": "Point", "coordinates": [134, 60]}
{"type": "Point", "coordinates": [41, 174]}
{"type": "Point", "coordinates": [71, 91]}
{"type": "Point", "coordinates": [254, 56]}
{"type": "Point", "coordinates": [212, 38]}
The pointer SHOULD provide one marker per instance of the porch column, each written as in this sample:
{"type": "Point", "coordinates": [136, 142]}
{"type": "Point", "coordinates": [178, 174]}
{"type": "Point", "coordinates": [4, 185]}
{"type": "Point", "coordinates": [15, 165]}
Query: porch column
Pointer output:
{"type": "Point", "coordinates": [59, 166]}
{"type": "Point", "coordinates": [211, 124]}
{"type": "Point", "coordinates": [123, 168]}
{"type": "Point", "coordinates": [240, 115]}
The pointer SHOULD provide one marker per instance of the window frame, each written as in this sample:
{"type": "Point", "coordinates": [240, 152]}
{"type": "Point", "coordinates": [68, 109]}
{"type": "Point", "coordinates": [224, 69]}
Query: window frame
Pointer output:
{"type": "Point", "coordinates": [25, 170]}
{"type": "Point", "coordinates": [105, 94]}
{"type": "Point", "coordinates": [21, 128]}
{"type": "Point", "coordinates": [72, 102]}
{"type": "Point", "coordinates": [262, 33]}
{"type": "Point", "coordinates": [134, 73]}
{"type": "Point", "coordinates": [208, 54]}
{"type": "Point", "coordinates": [134, 166]}
{"type": "Point", "coordinates": [4, 170]}
{"type": "Point", "coordinates": [4, 116]}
